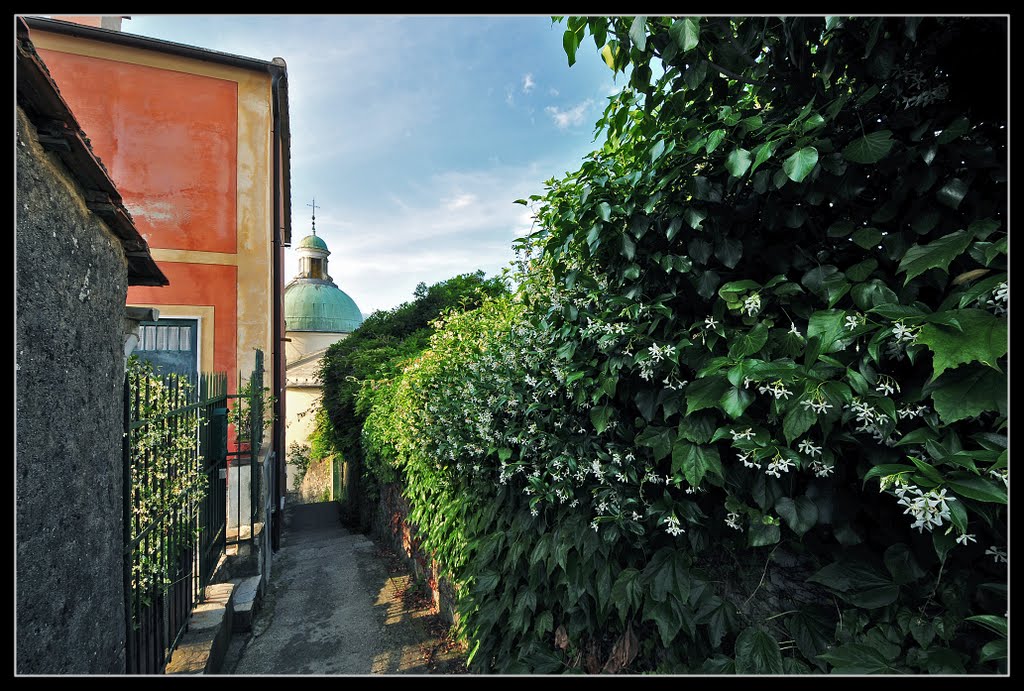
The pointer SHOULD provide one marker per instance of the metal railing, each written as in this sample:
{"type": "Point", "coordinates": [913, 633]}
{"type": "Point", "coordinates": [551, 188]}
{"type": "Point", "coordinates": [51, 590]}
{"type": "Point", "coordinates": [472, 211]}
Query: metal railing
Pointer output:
{"type": "Point", "coordinates": [175, 494]}
{"type": "Point", "coordinates": [243, 458]}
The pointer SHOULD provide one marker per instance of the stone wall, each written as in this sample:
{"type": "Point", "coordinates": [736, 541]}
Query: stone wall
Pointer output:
{"type": "Point", "coordinates": [71, 287]}
{"type": "Point", "coordinates": [391, 526]}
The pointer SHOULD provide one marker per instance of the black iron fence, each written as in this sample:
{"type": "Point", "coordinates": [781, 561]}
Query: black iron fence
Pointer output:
{"type": "Point", "coordinates": [175, 505]}
{"type": "Point", "coordinates": [247, 416]}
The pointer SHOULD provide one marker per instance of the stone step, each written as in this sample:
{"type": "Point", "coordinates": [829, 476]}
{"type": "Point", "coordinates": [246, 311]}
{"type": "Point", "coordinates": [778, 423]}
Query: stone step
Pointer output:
{"type": "Point", "coordinates": [202, 647]}
{"type": "Point", "coordinates": [246, 602]}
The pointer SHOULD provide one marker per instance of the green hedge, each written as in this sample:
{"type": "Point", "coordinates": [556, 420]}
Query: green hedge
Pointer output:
{"type": "Point", "coordinates": [761, 331]}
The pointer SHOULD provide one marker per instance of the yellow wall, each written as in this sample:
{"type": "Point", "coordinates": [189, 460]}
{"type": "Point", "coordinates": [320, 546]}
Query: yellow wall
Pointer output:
{"type": "Point", "coordinates": [303, 342]}
{"type": "Point", "coordinates": [254, 211]}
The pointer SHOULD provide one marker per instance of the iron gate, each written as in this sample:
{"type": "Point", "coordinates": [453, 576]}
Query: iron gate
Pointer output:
{"type": "Point", "coordinates": [175, 493]}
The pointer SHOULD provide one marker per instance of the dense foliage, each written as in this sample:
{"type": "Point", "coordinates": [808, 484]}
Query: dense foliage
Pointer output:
{"type": "Point", "coordinates": [760, 333]}
{"type": "Point", "coordinates": [376, 351]}
{"type": "Point", "coordinates": [166, 475]}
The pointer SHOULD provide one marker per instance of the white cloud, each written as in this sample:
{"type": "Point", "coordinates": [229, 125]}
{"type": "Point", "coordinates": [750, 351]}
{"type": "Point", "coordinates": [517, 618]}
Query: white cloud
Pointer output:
{"type": "Point", "coordinates": [572, 116]}
{"type": "Point", "coordinates": [528, 83]}
{"type": "Point", "coordinates": [509, 98]}
{"type": "Point", "coordinates": [553, 91]}
{"type": "Point", "coordinates": [459, 201]}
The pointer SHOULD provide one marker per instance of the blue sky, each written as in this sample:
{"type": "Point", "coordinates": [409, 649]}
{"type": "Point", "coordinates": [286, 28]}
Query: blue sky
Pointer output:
{"type": "Point", "coordinates": [416, 133]}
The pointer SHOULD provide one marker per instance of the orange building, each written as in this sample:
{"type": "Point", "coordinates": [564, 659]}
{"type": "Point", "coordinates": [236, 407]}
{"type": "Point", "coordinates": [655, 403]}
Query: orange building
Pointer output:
{"type": "Point", "coordinates": [198, 143]}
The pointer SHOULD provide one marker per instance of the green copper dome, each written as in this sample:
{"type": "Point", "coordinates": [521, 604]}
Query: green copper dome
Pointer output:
{"type": "Point", "coordinates": [314, 242]}
{"type": "Point", "coordinates": [317, 305]}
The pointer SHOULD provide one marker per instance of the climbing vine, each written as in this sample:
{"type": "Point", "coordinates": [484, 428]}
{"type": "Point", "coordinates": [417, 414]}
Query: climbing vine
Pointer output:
{"type": "Point", "coordinates": [166, 476]}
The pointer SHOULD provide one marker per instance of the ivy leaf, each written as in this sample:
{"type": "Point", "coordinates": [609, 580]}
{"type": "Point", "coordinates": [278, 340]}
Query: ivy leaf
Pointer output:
{"type": "Point", "coordinates": [812, 631]}
{"type": "Point", "coordinates": [827, 282]}
{"type": "Point", "coordinates": [714, 139]}
{"type": "Point", "coordinates": [695, 461]}
{"type": "Point", "coordinates": [952, 193]}
{"type": "Point", "coordinates": [860, 271]}
{"type": "Point", "coordinates": [800, 164]}
{"type": "Point", "coordinates": [705, 393]}
{"type": "Point", "coordinates": [757, 652]}
{"type": "Point", "coordinates": [937, 254]}
{"type": "Point", "coordinates": [737, 162]}
{"type": "Point", "coordinates": [761, 154]}
{"type": "Point", "coordinates": [685, 31]}
{"type": "Point", "coordinates": [923, 631]}
{"type": "Point", "coordinates": [750, 342]}
{"type": "Point", "coordinates": [829, 326]}
{"type": "Point", "coordinates": [798, 419]}
{"type": "Point", "coordinates": [667, 618]}
{"type": "Point", "coordinates": [871, 148]}
{"type": "Point", "coordinates": [956, 128]}
{"type": "Point", "coordinates": [800, 514]}
{"type": "Point", "coordinates": [993, 623]}
{"type": "Point", "coordinates": [967, 392]}
{"type": "Point", "coordinates": [659, 439]}
{"type": "Point", "coordinates": [868, 238]}
{"type": "Point", "coordinates": [728, 251]}
{"type": "Point", "coordinates": [697, 428]}
{"type": "Point", "coordinates": [983, 338]}
{"type": "Point", "coordinates": [694, 217]}
{"type": "Point", "coordinates": [657, 150]}
{"type": "Point", "coordinates": [978, 488]}
{"type": "Point", "coordinates": [901, 564]}
{"type": "Point", "coordinates": [599, 416]}
{"type": "Point", "coordinates": [857, 658]}
{"type": "Point", "coordinates": [707, 282]}
{"type": "Point", "coordinates": [735, 401]}
{"type": "Point", "coordinates": [762, 534]}
{"type": "Point", "coordinates": [610, 54]}
{"type": "Point", "coordinates": [995, 650]}
{"type": "Point", "coordinates": [638, 33]}
{"type": "Point", "coordinates": [570, 42]}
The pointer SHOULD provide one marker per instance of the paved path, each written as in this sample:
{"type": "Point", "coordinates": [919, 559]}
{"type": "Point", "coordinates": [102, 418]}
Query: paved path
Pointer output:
{"type": "Point", "coordinates": [336, 604]}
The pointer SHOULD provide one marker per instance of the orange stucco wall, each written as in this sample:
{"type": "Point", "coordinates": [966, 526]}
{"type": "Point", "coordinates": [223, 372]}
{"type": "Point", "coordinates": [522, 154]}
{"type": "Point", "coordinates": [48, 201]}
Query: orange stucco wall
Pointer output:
{"type": "Point", "coordinates": [169, 140]}
{"type": "Point", "coordinates": [201, 284]}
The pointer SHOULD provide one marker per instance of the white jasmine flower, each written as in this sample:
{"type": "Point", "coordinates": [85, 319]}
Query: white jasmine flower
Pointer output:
{"type": "Point", "coordinates": [795, 331]}
{"type": "Point", "coordinates": [903, 333]}
{"type": "Point", "coordinates": [1001, 293]}
{"type": "Point", "coordinates": [928, 510]}
{"type": "Point", "coordinates": [752, 304]}
{"type": "Point", "coordinates": [673, 528]}
{"type": "Point", "coordinates": [778, 465]}
{"type": "Point", "coordinates": [745, 434]}
{"type": "Point", "coordinates": [821, 469]}
{"type": "Point", "coordinates": [998, 555]}
{"type": "Point", "coordinates": [533, 511]}
{"type": "Point", "coordinates": [852, 322]}
{"type": "Point", "coordinates": [711, 323]}
{"type": "Point", "coordinates": [964, 538]}
{"type": "Point", "coordinates": [1001, 474]}
{"type": "Point", "coordinates": [747, 459]}
{"type": "Point", "coordinates": [732, 520]}
{"type": "Point", "coordinates": [808, 448]}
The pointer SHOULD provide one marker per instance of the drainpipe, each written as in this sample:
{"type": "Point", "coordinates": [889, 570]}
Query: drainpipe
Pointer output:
{"type": "Point", "coordinates": [278, 375]}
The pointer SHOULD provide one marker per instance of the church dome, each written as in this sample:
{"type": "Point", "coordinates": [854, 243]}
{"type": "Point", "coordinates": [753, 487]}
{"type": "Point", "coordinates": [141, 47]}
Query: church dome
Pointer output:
{"type": "Point", "coordinates": [312, 302]}
{"type": "Point", "coordinates": [312, 242]}
{"type": "Point", "coordinates": [318, 305]}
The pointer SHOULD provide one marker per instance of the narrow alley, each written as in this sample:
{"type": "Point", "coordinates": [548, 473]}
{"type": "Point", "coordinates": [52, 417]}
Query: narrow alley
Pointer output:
{"type": "Point", "coordinates": [339, 604]}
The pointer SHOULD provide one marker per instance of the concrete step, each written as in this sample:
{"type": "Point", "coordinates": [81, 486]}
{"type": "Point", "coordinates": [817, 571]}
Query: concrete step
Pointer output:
{"type": "Point", "coordinates": [202, 647]}
{"type": "Point", "coordinates": [246, 602]}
